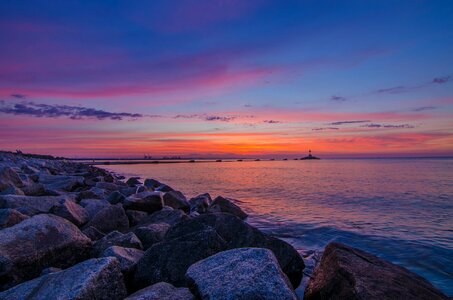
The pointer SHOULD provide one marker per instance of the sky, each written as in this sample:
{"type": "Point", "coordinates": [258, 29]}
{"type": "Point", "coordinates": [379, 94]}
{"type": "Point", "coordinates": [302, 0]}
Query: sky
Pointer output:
{"type": "Point", "coordinates": [227, 78]}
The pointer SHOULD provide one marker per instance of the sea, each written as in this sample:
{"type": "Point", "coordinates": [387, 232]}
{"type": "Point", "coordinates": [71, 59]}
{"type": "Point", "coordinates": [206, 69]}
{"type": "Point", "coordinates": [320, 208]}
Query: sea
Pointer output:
{"type": "Point", "coordinates": [398, 209]}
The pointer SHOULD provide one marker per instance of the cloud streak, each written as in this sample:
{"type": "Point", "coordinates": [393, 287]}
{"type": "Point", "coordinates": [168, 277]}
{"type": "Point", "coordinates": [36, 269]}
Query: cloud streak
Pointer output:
{"type": "Point", "coordinates": [374, 125]}
{"type": "Point", "coordinates": [349, 122]}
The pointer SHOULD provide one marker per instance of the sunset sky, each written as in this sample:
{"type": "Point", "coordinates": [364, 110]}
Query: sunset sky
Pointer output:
{"type": "Point", "coordinates": [227, 78]}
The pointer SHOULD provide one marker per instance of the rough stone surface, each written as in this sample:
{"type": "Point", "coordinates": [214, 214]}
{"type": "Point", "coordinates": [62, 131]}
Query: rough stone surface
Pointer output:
{"type": "Point", "coordinates": [36, 243]}
{"type": "Point", "coordinates": [348, 273]}
{"type": "Point", "coordinates": [12, 190]}
{"type": "Point", "coordinates": [200, 203]}
{"type": "Point", "coordinates": [92, 233]}
{"type": "Point", "coordinates": [164, 188]}
{"type": "Point", "coordinates": [10, 217]}
{"type": "Point", "coordinates": [92, 279]}
{"type": "Point", "coordinates": [226, 205]}
{"type": "Point", "coordinates": [146, 201]}
{"type": "Point", "coordinates": [160, 291]}
{"type": "Point", "coordinates": [128, 257]}
{"type": "Point", "coordinates": [133, 181]}
{"type": "Point", "coordinates": [166, 215]}
{"type": "Point", "coordinates": [115, 197]}
{"type": "Point", "coordinates": [151, 183]}
{"type": "Point", "coordinates": [176, 200]}
{"type": "Point", "coordinates": [30, 205]}
{"type": "Point", "coordinates": [93, 206]}
{"type": "Point", "coordinates": [168, 260]}
{"type": "Point", "coordinates": [110, 218]}
{"type": "Point", "coordinates": [245, 273]}
{"type": "Point", "coordinates": [61, 182]}
{"type": "Point", "coordinates": [135, 216]}
{"type": "Point", "coordinates": [9, 177]}
{"type": "Point", "coordinates": [115, 238]}
{"type": "Point", "coordinates": [151, 234]}
{"type": "Point", "coordinates": [71, 211]}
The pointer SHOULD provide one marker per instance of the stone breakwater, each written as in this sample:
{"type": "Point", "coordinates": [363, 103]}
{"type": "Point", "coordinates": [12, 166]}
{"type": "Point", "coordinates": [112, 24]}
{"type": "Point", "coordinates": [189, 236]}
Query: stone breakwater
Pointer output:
{"type": "Point", "coordinates": [73, 231]}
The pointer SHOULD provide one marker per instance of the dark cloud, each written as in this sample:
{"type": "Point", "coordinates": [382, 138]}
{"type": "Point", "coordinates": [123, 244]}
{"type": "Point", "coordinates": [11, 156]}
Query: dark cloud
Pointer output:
{"type": "Point", "coordinates": [206, 117]}
{"type": "Point", "coordinates": [271, 121]}
{"type": "Point", "coordinates": [394, 90]}
{"type": "Point", "coordinates": [374, 125]}
{"type": "Point", "coordinates": [338, 98]}
{"type": "Point", "coordinates": [423, 108]}
{"type": "Point", "coordinates": [441, 80]}
{"type": "Point", "coordinates": [325, 128]}
{"type": "Point", "coordinates": [247, 105]}
{"type": "Point", "coordinates": [349, 122]}
{"type": "Point", "coordinates": [18, 96]}
{"type": "Point", "coordinates": [220, 118]}
{"type": "Point", "coordinates": [55, 111]}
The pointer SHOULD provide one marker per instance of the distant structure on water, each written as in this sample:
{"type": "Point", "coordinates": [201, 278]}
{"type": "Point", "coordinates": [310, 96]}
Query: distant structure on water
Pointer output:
{"type": "Point", "coordinates": [309, 156]}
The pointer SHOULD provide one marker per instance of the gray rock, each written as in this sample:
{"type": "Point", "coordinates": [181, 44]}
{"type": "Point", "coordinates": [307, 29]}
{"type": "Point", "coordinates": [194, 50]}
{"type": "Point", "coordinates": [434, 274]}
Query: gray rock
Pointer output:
{"type": "Point", "coordinates": [128, 191]}
{"type": "Point", "coordinates": [151, 234]}
{"type": "Point", "coordinates": [61, 182]}
{"type": "Point", "coordinates": [168, 260]}
{"type": "Point", "coordinates": [115, 238]}
{"type": "Point", "coordinates": [10, 217]}
{"type": "Point", "coordinates": [348, 273]}
{"type": "Point", "coordinates": [136, 216]}
{"type": "Point", "coordinates": [147, 201]}
{"type": "Point", "coordinates": [176, 200]}
{"type": "Point", "coordinates": [92, 193]}
{"type": "Point", "coordinates": [162, 290]}
{"type": "Point", "coordinates": [92, 233]}
{"type": "Point", "coordinates": [226, 205]}
{"type": "Point", "coordinates": [152, 183]}
{"type": "Point", "coordinates": [133, 181]}
{"type": "Point", "coordinates": [115, 197]}
{"type": "Point", "coordinates": [200, 203]}
{"type": "Point", "coordinates": [110, 218]}
{"type": "Point", "coordinates": [71, 211]}
{"type": "Point", "coordinates": [141, 189]}
{"type": "Point", "coordinates": [166, 215]}
{"type": "Point", "coordinates": [36, 243]}
{"type": "Point", "coordinates": [128, 257]}
{"type": "Point", "coordinates": [109, 186]}
{"type": "Point", "coordinates": [9, 177]}
{"type": "Point", "coordinates": [12, 190]}
{"type": "Point", "coordinates": [93, 206]}
{"type": "Point", "coordinates": [92, 279]}
{"type": "Point", "coordinates": [245, 273]}
{"type": "Point", "coordinates": [164, 188]}
{"type": "Point", "coordinates": [30, 205]}
{"type": "Point", "coordinates": [37, 189]}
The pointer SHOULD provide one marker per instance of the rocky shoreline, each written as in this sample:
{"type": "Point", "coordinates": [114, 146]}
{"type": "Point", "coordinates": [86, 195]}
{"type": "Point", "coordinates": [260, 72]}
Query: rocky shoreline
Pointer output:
{"type": "Point", "coordinates": [73, 231]}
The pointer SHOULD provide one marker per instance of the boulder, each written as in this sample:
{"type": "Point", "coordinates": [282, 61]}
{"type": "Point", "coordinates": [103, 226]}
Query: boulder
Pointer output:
{"type": "Point", "coordinates": [226, 205]}
{"type": "Point", "coordinates": [115, 238]}
{"type": "Point", "coordinates": [168, 260]}
{"type": "Point", "coordinates": [37, 189]}
{"type": "Point", "coordinates": [245, 273]}
{"type": "Point", "coordinates": [71, 211]}
{"type": "Point", "coordinates": [200, 203]}
{"type": "Point", "coordinates": [37, 243]}
{"type": "Point", "coordinates": [110, 218]}
{"type": "Point", "coordinates": [12, 190]}
{"type": "Point", "coordinates": [152, 183]}
{"type": "Point", "coordinates": [151, 234]}
{"type": "Point", "coordinates": [176, 200]}
{"type": "Point", "coordinates": [9, 177]}
{"type": "Point", "coordinates": [239, 234]}
{"type": "Point", "coordinates": [128, 191]}
{"type": "Point", "coordinates": [128, 257]}
{"type": "Point", "coordinates": [133, 181]}
{"type": "Point", "coordinates": [146, 201]}
{"type": "Point", "coordinates": [92, 193]}
{"type": "Point", "coordinates": [10, 217]}
{"type": "Point", "coordinates": [162, 290]}
{"type": "Point", "coordinates": [348, 273]}
{"type": "Point", "coordinates": [141, 189]}
{"type": "Point", "coordinates": [61, 182]}
{"type": "Point", "coordinates": [115, 197]}
{"type": "Point", "coordinates": [165, 215]}
{"type": "Point", "coordinates": [136, 216]}
{"type": "Point", "coordinates": [164, 188]}
{"type": "Point", "coordinates": [108, 186]}
{"type": "Point", "coordinates": [92, 279]}
{"type": "Point", "coordinates": [92, 233]}
{"type": "Point", "coordinates": [30, 205]}
{"type": "Point", "coordinates": [93, 206]}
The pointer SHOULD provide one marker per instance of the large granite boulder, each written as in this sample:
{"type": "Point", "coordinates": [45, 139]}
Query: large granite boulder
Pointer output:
{"type": "Point", "coordinates": [115, 197]}
{"type": "Point", "coordinates": [133, 181]}
{"type": "Point", "coordinates": [145, 201]}
{"type": "Point", "coordinates": [10, 217]}
{"type": "Point", "coordinates": [165, 215]}
{"type": "Point", "coordinates": [164, 188]}
{"type": "Point", "coordinates": [151, 234]}
{"type": "Point", "coordinates": [348, 273]}
{"type": "Point", "coordinates": [9, 177]}
{"type": "Point", "coordinates": [36, 243]}
{"type": "Point", "coordinates": [239, 234]}
{"type": "Point", "coordinates": [61, 182]}
{"type": "Point", "coordinates": [71, 211]}
{"type": "Point", "coordinates": [152, 183]}
{"type": "Point", "coordinates": [128, 257]}
{"type": "Point", "coordinates": [160, 291]}
{"type": "Point", "coordinates": [200, 203]}
{"type": "Point", "coordinates": [176, 200]}
{"type": "Point", "coordinates": [93, 206]}
{"type": "Point", "coordinates": [112, 217]}
{"type": "Point", "coordinates": [168, 260]}
{"type": "Point", "coordinates": [226, 205]}
{"type": "Point", "coordinates": [92, 279]}
{"type": "Point", "coordinates": [245, 273]}
{"type": "Point", "coordinates": [115, 238]}
{"type": "Point", "coordinates": [30, 205]}
{"type": "Point", "coordinates": [135, 216]}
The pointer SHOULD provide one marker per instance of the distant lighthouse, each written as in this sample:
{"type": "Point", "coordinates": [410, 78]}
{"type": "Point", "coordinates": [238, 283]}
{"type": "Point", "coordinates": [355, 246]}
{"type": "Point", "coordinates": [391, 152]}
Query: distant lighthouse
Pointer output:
{"type": "Point", "coordinates": [309, 156]}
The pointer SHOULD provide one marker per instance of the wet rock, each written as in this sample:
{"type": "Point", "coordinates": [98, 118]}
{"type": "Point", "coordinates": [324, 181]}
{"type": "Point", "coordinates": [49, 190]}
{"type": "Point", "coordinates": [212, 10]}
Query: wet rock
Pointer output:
{"type": "Point", "coordinates": [71, 211]}
{"type": "Point", "coordinates": [115, 198]}
{"type": "Point", "coordinates": [92, 279]}
{"type": "Point", "coordinates": [239, 234]}
{"type": "Point", "coordinates": [10, 217]}
{"type": "Point", "coordinates": [348, 273]}
{"type": "Point", "coordinates": [200, 203]}
{"type": "Point", "coordinates": [128, 257]}
{"type": "Point", "coordinates": [151, 234]}
{"type": "Point", "coordinates": [176, 200]}
{"type": "Point", "coordinates": [152, 183]}
{"type": "Point", "coordinates": [93, 206]}
{"type": "Point", "coordinates": [12, 190]}
{"type": "Point", "coordinates": [162, 290]}
{"type": "Point", "coordinates": [110, 218]}
{"type": "Point", "coordinates": [61, 182]}
{"type": "Point", "coordinates": [30, 205]}
{"type": "Point", "coordinates": [166, 215]}
{"type": "Point", "coordinates": [246, 273]}
{"type": "Point", "coordinates": [133, 181]}
{"type": "Point", "coordinates": [92, 233]}
{"type": "Point", "coordinates": [164, 188]}
{"type": "Point", "coordinates": [168, 260]}
{"type": "Point", "coordinates": [226, 205]}
{"type": "Point", "coordinates": [36, 243]}
{"type": "Point", "coordinates": [115, 238]}
{"type": "Point", "coordinates": [136, 216]}
{"type": "Point", "coordinates": [146, 201]}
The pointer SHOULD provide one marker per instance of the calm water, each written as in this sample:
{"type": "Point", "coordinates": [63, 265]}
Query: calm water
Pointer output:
{"type": "Point", "coordinates": [398, 209]}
